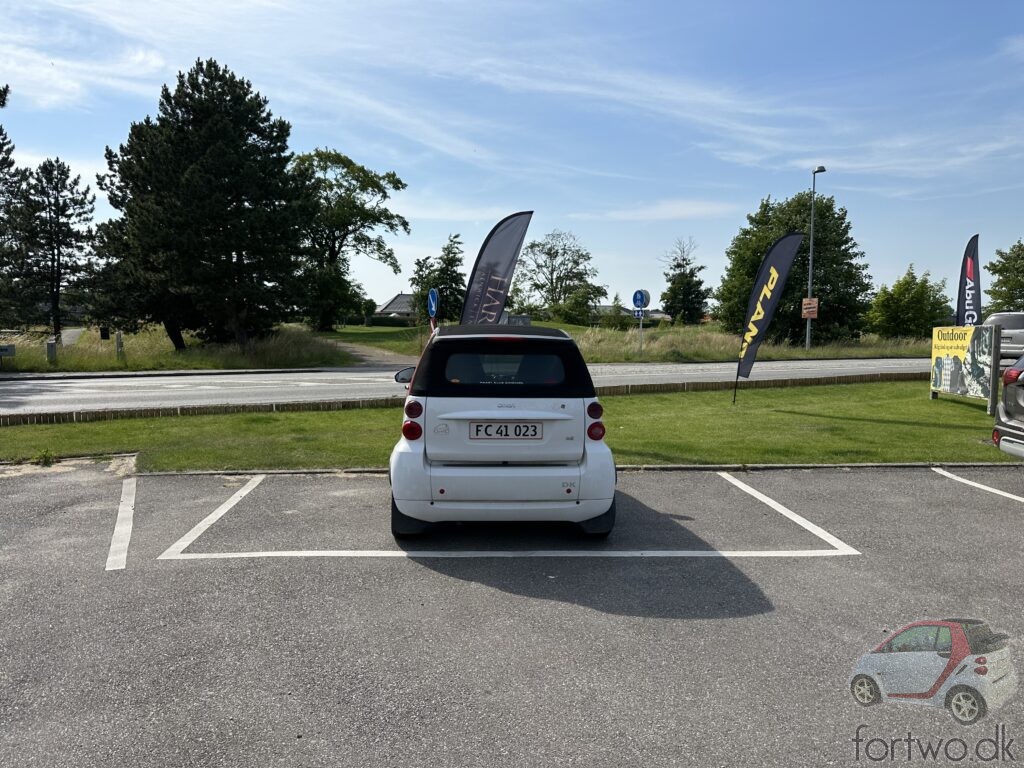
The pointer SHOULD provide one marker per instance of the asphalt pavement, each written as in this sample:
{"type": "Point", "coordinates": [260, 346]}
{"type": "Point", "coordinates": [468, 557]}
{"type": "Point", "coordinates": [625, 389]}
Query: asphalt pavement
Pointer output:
{"type": "Point", "coordinates": [273, 621]}
{"type": "Point", "coordinates": [33, 394]}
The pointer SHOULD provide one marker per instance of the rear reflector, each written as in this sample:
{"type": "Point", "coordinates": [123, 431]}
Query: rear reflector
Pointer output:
{"type": "Point", "coordinates": [1011, 375]}
{"type": "Point", "coordinates": [595, 431]}
{"type": "Point", "coordinates": [414, 409]}
{"type": "Point", "coordinates": [595, 411]}
{"type": "Point", "coordinates": [995, 436]}
{"type": "Point", "coordinates": [412, 431]}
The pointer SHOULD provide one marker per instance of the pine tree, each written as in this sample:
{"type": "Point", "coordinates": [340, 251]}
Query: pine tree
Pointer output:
{"type": "Point", "coordinates": [1006, 293]}
{"type": "Point", "coordinates": [841, 280]}
{"type": "Point", "coordinates": [450, 280]}
{"type": "Point", "coordinates": [212, 216]}
{"type": "Point", "coordinates": [686, 297]}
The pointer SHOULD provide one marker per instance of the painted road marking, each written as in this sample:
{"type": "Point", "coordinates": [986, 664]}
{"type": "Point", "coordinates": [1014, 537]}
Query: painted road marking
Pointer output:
{"type": "Point", "coordinates": [973, 484]}
{"type": "Point", "coordinates": [176, 549]}
{"type": "Point", "coordinates": [821, 533]}
{"type": "Point", "coordinates": [839, 548]}
{"type": "Point", "coordinates": [118, 555]}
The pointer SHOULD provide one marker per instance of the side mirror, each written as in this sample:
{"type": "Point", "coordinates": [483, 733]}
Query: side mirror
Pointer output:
{"type": "Point", "coordinates": [404, 376]}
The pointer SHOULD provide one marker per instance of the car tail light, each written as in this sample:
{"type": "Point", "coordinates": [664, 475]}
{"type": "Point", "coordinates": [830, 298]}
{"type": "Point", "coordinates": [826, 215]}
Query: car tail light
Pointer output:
{"type": "Point", "coordinates": [1011, 375]}
{"type": "Point", "coordinates": [595, 410]}
{"type": "Point", "coordinates": [981, 660]}
{"type": "Point", "coordinates": [595, 431]}
{"type": "Point", "coordinates": [412, 431]}
{"type": "Point", "coordinates": [995, 436]}
{"type": "Point", "coordinates": [414, 409]}
{"type": "Point", "coordinates": [981, 670]}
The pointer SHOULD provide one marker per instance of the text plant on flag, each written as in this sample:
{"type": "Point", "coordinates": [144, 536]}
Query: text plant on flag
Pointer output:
{"type": "Point", "coordinates": [491, 278]}
{"type": "Point", "coordinates": [764, 298]}
{"type": "Point", "coordinates": [968, 301]}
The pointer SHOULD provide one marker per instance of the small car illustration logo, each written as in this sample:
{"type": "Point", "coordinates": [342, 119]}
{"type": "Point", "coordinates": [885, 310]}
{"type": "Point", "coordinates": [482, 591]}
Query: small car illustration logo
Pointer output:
{"type": "Point", "coordinates": [441, 429]}
{"type": "Point", "coordinates": [956, 664]}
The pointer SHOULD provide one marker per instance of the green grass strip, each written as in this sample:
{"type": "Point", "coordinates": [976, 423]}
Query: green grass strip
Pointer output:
{"type": "Point", "coordinates": [858, 423]}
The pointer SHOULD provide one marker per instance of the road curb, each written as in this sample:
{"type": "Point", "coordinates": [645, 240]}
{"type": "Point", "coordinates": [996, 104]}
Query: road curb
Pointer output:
{"type": "Point", "coordinates": [75, 417]}
{"type": "Point", "coordinates": [36, 376]}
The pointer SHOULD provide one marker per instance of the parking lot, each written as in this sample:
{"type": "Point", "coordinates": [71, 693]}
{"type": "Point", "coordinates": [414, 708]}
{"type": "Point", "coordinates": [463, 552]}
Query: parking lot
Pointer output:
{"type": "Point", "coordinates": [273, 620]}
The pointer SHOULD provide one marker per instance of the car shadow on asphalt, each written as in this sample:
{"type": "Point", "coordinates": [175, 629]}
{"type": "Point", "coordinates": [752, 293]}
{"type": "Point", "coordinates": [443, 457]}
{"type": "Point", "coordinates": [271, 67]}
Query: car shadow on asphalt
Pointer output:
{"type": "Point", "coordinates": [651, 587]}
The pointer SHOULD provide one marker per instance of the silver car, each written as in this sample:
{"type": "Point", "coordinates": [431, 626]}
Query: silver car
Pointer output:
{"type": "Point", "coordinates": [1012, 332]}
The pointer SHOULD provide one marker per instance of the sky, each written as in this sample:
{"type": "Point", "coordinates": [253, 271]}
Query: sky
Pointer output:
{"type": "Point", "coordinates": [628, 124]}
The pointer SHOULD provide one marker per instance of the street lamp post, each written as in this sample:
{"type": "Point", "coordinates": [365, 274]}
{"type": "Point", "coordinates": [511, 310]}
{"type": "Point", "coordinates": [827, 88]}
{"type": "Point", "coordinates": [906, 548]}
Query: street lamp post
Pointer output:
{"type": "Point", "coordinates": [810, 260]}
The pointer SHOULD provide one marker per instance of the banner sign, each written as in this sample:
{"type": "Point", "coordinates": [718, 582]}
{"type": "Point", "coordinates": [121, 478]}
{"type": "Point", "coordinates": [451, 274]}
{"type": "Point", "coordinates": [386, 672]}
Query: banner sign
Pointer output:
{"type": "Point", "coordinates": [809, 309]}
{"type": "Point", "coordinates": [491, 277]}
{"type": "Point", "coordinates": [968, 301]}
{"type": "Point", "coordinates": [768, 287]}
{"type": "Point", "coordinates": [962, 360]}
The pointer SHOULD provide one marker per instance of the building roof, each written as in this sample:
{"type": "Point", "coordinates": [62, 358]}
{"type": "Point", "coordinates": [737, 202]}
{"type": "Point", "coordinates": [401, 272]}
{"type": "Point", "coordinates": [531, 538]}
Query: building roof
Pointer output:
{"type": "Point", "coordinates": [400, 304]}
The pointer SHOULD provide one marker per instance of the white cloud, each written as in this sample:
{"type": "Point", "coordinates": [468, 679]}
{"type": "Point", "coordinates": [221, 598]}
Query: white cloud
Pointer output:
{"type": "Point", "coordinates": [666, 210]}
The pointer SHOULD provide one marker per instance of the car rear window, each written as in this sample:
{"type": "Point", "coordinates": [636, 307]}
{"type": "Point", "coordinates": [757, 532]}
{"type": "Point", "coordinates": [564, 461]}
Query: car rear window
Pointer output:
{"type": "Point", "coordinates": [982, 639]}
{"type": "Point", "coordinates": [481, 367]}
{"type": "Point", "coordinates": [1014, 322]}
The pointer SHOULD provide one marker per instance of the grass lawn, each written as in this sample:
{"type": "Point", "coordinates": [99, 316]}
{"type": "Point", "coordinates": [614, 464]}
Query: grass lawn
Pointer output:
{"type": "Point", "coordinates": [890, 422]}
{"type": "Point", "coordinates": [150, 350]}
{"type": "Point", "coordinates": [675, 344]}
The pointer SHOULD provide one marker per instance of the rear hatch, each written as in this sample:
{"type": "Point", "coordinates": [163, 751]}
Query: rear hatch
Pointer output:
{"type": "Point", "coordinates": [994, 646]}
{"type": "Point", "coordinates": [503, 400]}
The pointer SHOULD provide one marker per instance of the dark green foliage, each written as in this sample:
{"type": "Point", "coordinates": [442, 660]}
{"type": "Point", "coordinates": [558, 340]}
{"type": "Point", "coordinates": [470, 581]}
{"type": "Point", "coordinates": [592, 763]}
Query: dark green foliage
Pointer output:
{"type": "Point", "coordinates": [616, 318]}
{"type": "Point", "coordinates": [841, 280]}
{"type": "Point", "coordinates": [1007, 291]}
{"type": "Point", "coordinates": [4, 91]}
{"type": "Point", "coordinates": [911, 308]}
{"type": "Point", "coordinates": [210, 215]}
{"type": "Point", "coordinates": [444, 273]}
{"type": "Point", "coordinates": [686, 297]}
{"type": "Point", "coordinates": [347, 208]}
{"type": "Point", "coordinates": [555, 276]}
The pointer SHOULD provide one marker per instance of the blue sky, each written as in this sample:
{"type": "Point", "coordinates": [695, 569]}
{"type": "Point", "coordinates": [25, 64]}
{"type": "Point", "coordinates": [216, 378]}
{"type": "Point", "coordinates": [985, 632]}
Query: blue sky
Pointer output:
{"type": "Point", "coordinates": [630, 124]}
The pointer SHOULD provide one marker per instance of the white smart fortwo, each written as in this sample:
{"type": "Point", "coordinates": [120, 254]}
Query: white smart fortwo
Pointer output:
{"type": "Point", "coordinates": [501, 424]}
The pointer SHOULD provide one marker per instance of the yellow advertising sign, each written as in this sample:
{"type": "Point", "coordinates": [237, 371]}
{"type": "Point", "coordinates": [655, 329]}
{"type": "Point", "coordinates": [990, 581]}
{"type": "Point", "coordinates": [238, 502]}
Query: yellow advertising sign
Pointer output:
{"type": "Point", "coordinates": [962, 360]}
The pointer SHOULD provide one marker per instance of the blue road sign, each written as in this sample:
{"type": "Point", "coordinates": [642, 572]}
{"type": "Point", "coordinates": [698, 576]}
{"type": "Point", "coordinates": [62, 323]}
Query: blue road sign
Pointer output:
{"type": "Point", "coordinates": [641, 299]}
{"type": "Point", "coordinates": [638, 313]}
{"type": "Point", "coordinates": [433, 300]}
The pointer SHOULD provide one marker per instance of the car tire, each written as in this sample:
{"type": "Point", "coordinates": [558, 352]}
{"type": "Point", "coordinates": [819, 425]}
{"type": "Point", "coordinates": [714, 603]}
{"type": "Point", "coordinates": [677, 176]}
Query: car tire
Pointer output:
{"type": "Point", "coordinates": [966, 705]}
{"type": "Point", "coordinates": [865, 691]}
{"type": "Point", "coordinates": [599, 527]}
{"type": "Point", "coordinates": [403, 526]}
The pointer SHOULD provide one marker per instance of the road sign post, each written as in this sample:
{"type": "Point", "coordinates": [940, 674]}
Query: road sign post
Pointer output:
{"type": "Point", "coordinates": [641, 299]}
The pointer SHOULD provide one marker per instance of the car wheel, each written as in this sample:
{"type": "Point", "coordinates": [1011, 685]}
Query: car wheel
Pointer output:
{"type": "Point", "coordinates": [966, 705]}
{"type": "Point", "coordinates": [865, 691]}
{"type": "Point", "coordinates": [599, 527]}
{"type": "Point", "coordinates": [403, 526]}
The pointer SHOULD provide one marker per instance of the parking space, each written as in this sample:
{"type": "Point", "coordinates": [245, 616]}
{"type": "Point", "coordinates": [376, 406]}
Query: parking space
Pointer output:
{"type": "Point", "coordinates": [352, 650]}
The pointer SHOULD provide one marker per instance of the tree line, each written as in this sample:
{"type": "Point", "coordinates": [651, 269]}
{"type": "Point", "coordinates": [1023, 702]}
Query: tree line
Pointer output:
{"type": "Point", "coordinates": [223, 232]}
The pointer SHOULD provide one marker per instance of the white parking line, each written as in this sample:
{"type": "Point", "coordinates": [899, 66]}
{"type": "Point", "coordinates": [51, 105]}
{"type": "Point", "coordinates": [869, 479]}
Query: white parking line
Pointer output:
{"type": "Point", "coordinates": [511, 553]}
{"type": "Point", "coordinates": [821, 533]}
{"type": "Point", "coordinates": [118, 554]}
{"type": "Point", "coordinates": [175, 550]}
{"type": "Point", "coordinates": [973, 484]}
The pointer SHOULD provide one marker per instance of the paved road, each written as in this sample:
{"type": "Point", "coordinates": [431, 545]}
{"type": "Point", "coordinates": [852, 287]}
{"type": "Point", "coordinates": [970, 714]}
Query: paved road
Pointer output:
{"type": "Point", "coordinates": [39, 395]}
{"type": "Point", "coordinates": [351, 651]}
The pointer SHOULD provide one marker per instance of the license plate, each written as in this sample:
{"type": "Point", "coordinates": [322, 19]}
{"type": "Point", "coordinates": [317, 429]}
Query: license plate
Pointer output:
{"type": "Point", "coordinates": [506, 430]}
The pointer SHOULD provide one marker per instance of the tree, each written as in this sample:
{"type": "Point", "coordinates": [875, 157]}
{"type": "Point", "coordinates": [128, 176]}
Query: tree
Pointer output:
{"type": "Point", "coordinates": [556, 273]}
{"type": "Point", "coordinates": [616, 317]}
{"type": "Point", "coordinates": [911, 308]}
{"type": "Point", "coordinates": [14, 302]}
{"type": "Point", "coordinates": [4, 91]}
{"type": "Point", "coordinates": [445, 274]}
{"type": "Point", "coordinates": [1007, 291]}
{"type": "Point", "coordinates": [686, 297]}
{"type": "Point", "coordinates": [347, 209]}
{"type": "Point", "coordinates": [211, 215]}
{"type": "Point", "coordinates": [841, 280]}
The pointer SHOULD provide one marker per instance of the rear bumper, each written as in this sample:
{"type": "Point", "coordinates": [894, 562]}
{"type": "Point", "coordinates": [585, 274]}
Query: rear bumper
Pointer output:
{"type": "Point", "coordinates": [501, 493]}
{"type": "Point", "coordinates": [1011, 433]}
{"type": "Point", "coordinates": [998, 693]}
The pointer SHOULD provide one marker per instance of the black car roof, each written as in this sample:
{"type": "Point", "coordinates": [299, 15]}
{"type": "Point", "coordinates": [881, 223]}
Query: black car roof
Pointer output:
{"type": "Point", "coordinates": [526, 331]}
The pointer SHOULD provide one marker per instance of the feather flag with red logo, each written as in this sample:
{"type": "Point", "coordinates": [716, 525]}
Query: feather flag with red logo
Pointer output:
{"type": "Point", "coordinates": [968, 302]}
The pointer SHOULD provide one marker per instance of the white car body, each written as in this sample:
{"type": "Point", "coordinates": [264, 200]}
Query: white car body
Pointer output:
{"type": "Point", "coordinates": [506, 456]}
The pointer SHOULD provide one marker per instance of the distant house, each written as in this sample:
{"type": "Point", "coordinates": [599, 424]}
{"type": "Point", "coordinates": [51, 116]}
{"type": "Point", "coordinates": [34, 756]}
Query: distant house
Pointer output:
{"type": "Point", "coordinates": [399, 305]}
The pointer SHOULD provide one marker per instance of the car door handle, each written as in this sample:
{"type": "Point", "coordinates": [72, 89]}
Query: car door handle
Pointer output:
{"type": "Point", "coordinates": [944, 654]}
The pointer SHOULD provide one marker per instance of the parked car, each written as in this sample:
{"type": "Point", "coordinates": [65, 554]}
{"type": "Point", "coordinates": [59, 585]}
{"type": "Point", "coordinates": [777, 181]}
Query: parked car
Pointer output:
{"type": "Point", "coordinates": [1008, 433]}
{"type": "Point", "coordinates": [501, 424]}
{"type": "Point", "coordinates": [958, 664]}
{"type": "Point", "coordinates": [1011, 333]}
